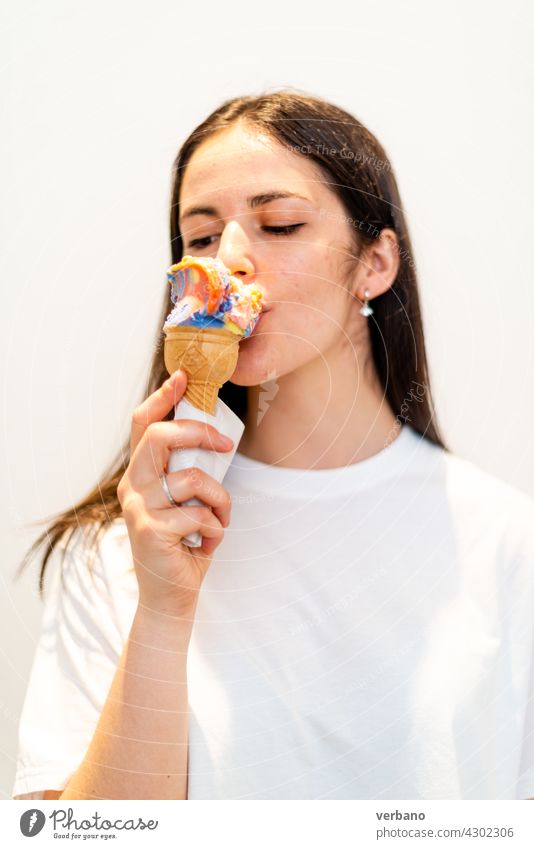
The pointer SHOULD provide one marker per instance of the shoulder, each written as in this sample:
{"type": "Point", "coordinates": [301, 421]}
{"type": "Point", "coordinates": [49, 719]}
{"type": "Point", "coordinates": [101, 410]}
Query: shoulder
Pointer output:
{"type": "Point", "coordinates": [464, 479]}
{"type": "Point", "coordinates": [485, 503]}
{"type": "Point", "coordinates": [93, 555]}
{"type": "Point", "coordinates": [93, 579]}
{"type": "Point", "coordinates": [468, 480]}
{"type": "Point", "coordinates": [94, 539]}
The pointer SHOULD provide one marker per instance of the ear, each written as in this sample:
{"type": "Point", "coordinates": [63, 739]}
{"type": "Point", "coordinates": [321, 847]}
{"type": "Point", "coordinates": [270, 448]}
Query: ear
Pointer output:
{"type": "Point", "coordinates": [379, 265]}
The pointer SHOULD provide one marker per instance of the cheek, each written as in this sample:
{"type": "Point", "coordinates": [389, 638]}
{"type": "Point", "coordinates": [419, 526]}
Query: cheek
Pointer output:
{"type": "Point", "coordinates": [316, 316]}
{"type": "Point", "coordinates": [290, 336]}
{"type": "Point", "coordinates": [309, 311]}
{"type": "Point", "coordinates": [311, 328]}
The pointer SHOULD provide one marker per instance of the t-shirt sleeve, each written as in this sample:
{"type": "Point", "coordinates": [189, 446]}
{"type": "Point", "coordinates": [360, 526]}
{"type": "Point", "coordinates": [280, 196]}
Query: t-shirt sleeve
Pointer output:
{"type": "Point", "coordinates": [525, 784]}
{"type": "Point", "coordinates": [89, 605]}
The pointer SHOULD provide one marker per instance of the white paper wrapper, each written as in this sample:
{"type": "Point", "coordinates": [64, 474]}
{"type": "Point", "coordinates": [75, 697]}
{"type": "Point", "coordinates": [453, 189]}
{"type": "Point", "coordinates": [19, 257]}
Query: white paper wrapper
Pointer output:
{"type": "Point", "coordinates": [213, 462]}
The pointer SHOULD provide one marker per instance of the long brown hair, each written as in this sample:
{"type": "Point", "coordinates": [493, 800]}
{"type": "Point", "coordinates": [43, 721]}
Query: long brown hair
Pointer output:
{"type": "Point", "coordinates": [358, 171]}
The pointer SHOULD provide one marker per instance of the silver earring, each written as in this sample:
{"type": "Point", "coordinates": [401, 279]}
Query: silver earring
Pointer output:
{"type": "Point", "coordinates": [366, 310]}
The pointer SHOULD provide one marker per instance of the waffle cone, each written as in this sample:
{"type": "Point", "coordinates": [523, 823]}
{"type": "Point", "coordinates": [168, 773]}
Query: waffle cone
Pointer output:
{"type": "Point", "coordinates": [208, 356]}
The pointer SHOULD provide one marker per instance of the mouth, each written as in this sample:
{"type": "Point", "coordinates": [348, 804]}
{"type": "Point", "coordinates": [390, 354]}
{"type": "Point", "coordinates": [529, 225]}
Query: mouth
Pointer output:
{"type": "Point", "coordinates": [262, 313]}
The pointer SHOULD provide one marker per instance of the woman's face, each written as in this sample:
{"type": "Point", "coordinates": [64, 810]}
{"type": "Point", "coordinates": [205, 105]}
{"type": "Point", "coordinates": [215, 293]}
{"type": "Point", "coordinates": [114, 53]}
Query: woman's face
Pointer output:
{"type": "Point", "coordinates": [227, 210]}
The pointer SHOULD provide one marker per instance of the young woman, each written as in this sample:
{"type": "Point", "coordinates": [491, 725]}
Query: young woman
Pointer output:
{"type": "Point", "coordinates": [358, 621]}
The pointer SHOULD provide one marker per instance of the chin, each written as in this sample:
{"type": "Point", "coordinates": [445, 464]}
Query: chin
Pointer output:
{"type": "Point", "coordinates": [254, 364]}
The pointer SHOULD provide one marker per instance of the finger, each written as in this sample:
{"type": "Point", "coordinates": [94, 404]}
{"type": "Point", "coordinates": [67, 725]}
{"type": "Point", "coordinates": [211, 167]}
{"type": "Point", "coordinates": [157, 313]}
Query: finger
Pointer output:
{"type": "Point", "coordinates": [161, 438]}
{"type": "Point", "coordinates": [156, 406]}
{"type": "Point", "coordinates": [191, 483]}
{"type": "Point", "coordinates": [183, 521]}
{"type": "Point", "coordinates": [207, 548]}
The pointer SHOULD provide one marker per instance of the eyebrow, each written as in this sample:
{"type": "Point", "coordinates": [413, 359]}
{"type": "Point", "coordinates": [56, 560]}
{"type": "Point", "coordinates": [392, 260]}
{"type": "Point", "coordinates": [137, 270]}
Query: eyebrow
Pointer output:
{"type": "Point", "coordinates": [253, 202]}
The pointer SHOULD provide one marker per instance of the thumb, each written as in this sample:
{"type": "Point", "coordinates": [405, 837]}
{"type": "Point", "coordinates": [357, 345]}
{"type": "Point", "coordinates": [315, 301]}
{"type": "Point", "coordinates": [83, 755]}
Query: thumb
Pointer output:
{"type": "Point", "coordinates": [175, 386]}
{"type": "Point", "coordinates": [156, 406]}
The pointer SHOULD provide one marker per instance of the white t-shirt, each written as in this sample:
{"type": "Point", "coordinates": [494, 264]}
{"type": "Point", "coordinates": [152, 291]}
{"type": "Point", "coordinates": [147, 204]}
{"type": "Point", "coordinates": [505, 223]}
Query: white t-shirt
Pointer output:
{"type": "Point", "coordinates": [362, 633]}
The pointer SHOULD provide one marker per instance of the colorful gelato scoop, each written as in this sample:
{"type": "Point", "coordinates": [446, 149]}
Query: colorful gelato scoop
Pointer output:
{"type": "Point", "coordinates": [207, 296]}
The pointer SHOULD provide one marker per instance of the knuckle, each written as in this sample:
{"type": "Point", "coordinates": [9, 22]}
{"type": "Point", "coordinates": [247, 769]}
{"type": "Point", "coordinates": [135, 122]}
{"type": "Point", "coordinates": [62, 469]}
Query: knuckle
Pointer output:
{"type": "Point", "coordinates": [143, 530]}
{"type": "Point", "coordinates": [121, 490]}
{"type": "Point", "coordinates": [179, 433]}
{"type": "Point", "coordinates": [193, 474]}
{"type": "Point", "coordinates": [212, 432]}
{"type": "Point", "coordinates": [139, 417]}
{"type": "Point", "coordinates": [129, 504]}
{"type": "Point", "coordinates": [207, 516]}
{"type": "Point", "coordinates": [153, 430]}
{"type": "Point", "coordinates": [122, 487]}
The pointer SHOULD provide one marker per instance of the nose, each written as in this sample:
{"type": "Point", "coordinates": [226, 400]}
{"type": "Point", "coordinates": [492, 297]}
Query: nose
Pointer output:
{"type": "Point", "coordinates": [234, 250]}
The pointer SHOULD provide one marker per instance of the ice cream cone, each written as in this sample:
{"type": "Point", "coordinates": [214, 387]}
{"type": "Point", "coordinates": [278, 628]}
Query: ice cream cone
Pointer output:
{"type": "Point", "coordinates": [208, 356]}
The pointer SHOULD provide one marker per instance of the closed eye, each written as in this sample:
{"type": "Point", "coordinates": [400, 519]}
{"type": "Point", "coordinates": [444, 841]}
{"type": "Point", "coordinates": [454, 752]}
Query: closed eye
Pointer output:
{"type": "Point", "coordinates": [276, 231]}
{"type": "Point", "coordinates": [281, 231]}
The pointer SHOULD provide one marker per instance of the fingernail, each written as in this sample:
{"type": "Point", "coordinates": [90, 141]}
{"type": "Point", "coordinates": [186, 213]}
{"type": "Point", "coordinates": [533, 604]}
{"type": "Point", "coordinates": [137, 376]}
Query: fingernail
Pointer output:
{"type": "Point", "coordinates": [226, 439]}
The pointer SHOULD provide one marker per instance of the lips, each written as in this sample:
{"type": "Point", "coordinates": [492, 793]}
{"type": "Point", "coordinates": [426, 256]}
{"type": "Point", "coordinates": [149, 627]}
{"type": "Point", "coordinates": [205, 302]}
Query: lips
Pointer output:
{"type": "Point", "coordinates": [262, 313]}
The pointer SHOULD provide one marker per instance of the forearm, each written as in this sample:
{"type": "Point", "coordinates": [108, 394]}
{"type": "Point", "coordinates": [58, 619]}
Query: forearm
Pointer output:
{"type": "Point", "coordinates": [139, 748]}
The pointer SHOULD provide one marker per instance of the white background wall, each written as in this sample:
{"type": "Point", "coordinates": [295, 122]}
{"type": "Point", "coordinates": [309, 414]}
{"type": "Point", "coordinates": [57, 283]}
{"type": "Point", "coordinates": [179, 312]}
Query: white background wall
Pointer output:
{"type": "Point", "coordinates": [97, 97]}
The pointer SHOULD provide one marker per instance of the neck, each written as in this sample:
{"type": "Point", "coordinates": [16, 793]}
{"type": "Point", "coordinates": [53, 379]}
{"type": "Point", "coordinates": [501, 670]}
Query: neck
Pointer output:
{"type": "Point", "coordinates": [326, 414]}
